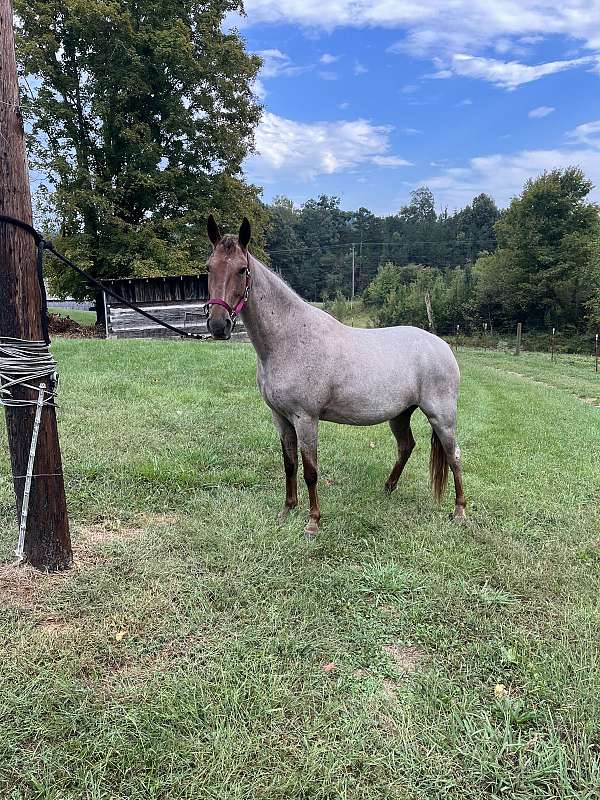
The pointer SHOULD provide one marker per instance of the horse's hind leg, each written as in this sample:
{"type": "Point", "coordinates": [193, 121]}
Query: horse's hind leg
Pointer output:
{"type": "Point", "coordinates": [443, 423]}
{"type": "Point", "coordinates": [289, 446]}
{"type": "Point", "coordinates": [400, 426]}
{"type": "Point", "coordinates": [307, 432]}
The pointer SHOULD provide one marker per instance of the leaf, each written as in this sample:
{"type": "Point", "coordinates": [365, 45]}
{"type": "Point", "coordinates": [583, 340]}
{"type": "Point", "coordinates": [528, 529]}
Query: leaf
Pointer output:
{"type": "Point", "coordinates": [329, 667]}
{"type": "Point", "coordinates": [120, 636]}
{"type": "Point", "coordinates": [500, 691]}
{"type": "Point", "coordinates": [509, 655]}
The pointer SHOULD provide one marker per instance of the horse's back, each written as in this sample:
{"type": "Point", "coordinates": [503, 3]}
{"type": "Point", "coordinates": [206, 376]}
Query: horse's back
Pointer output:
{"type": "Point", "coordinates": [406, 347]}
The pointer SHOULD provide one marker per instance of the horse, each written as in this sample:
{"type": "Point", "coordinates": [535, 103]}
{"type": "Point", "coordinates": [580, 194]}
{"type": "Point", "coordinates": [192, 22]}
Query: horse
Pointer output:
{"type": "Point", "coordinates": [311, 367]}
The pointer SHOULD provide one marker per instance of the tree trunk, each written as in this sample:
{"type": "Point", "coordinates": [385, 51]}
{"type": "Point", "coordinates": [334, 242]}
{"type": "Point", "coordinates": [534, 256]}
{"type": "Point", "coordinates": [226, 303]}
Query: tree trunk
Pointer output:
{"type": "Point", "coordinates": [100, 311]}
{"type": "Point", "coordinates": [429, 308]}
{"type": "Point", "coordinates": [47, 541]}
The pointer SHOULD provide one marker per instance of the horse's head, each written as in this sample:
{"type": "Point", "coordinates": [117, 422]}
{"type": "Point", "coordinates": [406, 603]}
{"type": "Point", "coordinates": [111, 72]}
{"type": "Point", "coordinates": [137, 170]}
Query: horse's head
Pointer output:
{"type": "Point", "coordinates": [228, 278]}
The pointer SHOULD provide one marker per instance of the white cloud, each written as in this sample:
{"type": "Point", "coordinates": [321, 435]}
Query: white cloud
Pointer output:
{"type": "Point", "coordinates": [503, 175]}
{"type": "Point", "coordinates": [509, 74]}
{"type": "Point", "coordinates": [327, 75]}
{"type": "Point", "coordinates": [343, 106]}
{"type": "Point", "coordinates": [410, 131]}
{"type": "Point", "coordinates": [359, 69]}
{"type": "Point", "coordinates": [300, 150]}
{"type": "Point", "coordinates": [440, 24]}
{"type": "Point", "coordinates": [259, 89]}
{"type": "Point", "coordinates": [588, 133]}
{"type": "Point", "coordinates": [541, 111]}
{"type": "Point", "coordinates": [441, 74]}
{"type": "Point", "coordinates": [327, 58]}
{"type": "Point", "coordinates": [276, 63]}
{"type": "Point", "coordinates": [390, 161]}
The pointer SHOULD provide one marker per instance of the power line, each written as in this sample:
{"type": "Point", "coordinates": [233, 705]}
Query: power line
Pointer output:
{"type": "Point", "coordinates": [351, 244]}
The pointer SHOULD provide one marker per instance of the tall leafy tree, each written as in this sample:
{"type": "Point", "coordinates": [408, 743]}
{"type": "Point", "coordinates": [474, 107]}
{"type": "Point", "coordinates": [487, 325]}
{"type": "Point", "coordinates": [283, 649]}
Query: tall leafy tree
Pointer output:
{"type": "Point", "coordinates": [543, 271]}
{"type": "Point", "coordinates": [141, 117]}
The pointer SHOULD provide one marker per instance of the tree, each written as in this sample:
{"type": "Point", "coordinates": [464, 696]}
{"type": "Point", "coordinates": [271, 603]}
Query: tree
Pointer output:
{"type": "Point", "coordinates": [472, 229]}
{"type": "Point", "coordinates": [399, 296]}
{"type": "Point", "coordinates": [543, 271]}
{"type": "Point", "coordinates": [141, 117]}
{"type": "Point", "coordinates": [283, 243]}
{"type": "Point", "coordinates": [322, 228]}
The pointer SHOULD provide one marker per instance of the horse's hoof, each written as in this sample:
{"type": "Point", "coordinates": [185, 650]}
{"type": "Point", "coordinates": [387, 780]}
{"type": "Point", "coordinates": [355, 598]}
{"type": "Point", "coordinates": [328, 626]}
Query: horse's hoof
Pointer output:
{"type": "Point", "coordinates": [459, 516]}
{"type": "Point", "coordinates": [284, 513]}
{"type": "Point", "coordinates": [389, 487]}
{"type": "Point", "coordinates": [311, 529]}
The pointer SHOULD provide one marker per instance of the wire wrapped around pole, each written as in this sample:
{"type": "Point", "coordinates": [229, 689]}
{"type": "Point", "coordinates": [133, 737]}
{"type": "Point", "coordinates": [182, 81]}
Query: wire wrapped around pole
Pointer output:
{"type": "Point", "coordinates": [25, 364]}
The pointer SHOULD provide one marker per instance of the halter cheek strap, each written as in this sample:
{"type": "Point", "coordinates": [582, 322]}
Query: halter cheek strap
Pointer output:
{"type": "Point", "coordinates": [241, 303]}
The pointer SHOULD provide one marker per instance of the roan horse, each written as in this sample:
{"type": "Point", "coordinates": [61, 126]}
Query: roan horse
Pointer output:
{"type": "Point", "coordinates": [312, 367]}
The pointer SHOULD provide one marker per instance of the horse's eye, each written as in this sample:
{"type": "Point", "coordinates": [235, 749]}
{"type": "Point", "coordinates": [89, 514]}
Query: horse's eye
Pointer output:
{"type": "Point", "coordinates": [242, 271]}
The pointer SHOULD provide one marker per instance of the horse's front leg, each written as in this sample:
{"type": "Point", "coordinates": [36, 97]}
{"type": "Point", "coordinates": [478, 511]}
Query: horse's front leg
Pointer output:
{"type": "Point", "coordinates": [289, 446]}
{"type": "Point", "coordinates": [307, 432]}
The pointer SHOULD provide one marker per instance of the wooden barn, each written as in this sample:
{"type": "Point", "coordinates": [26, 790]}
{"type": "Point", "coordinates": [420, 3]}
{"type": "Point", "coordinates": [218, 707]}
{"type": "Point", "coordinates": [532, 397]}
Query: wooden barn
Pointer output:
{"type": "Point", "coordinates": [176, 299]}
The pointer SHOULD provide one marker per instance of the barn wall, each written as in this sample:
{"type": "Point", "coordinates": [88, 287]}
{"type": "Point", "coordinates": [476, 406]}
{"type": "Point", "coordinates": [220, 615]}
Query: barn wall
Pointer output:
{"type": "Point", "coordinates": [178, 300]}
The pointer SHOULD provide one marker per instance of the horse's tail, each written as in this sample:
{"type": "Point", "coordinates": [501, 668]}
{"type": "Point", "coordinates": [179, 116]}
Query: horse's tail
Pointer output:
{"type": "Point", "coordinates": [438, 467]}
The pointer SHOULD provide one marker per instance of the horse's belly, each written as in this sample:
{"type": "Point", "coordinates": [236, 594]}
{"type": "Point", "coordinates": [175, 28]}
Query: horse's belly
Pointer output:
{"type": "Point", "coordinates": [363, 414]}
{"type": "Point", "coordinates": [364, 401]}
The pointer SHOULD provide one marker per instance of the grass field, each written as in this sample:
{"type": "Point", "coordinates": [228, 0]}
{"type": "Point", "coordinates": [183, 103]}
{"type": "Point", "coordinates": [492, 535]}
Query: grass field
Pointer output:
{"type": "Point", "coordinates": [199, 651]}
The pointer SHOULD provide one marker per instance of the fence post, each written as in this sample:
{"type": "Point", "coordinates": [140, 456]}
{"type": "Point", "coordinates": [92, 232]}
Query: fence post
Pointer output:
{"type": "Point", "coordinates": [596, 351]}
{"type": "Point", "coordinates": [519, 331]}
{"type": "Point", "coordinates": [552, 344]}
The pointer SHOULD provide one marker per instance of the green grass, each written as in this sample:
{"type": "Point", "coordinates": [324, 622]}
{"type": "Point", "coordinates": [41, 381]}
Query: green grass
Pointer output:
{"type": "Point", "coordinates": [82, 317]}
{"type": "Point", "coordinates": [183, 657]}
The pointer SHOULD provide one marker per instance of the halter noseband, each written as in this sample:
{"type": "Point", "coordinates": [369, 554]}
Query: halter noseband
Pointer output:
{"type": "Point", "coordinates": [241, 303]}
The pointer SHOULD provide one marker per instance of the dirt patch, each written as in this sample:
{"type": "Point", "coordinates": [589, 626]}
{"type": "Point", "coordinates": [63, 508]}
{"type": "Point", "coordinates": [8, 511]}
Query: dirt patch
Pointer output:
{"type": "Point", "coordinates": [111, 530]}
{"type": "Point", "coordinates": [54, 627]}
{"type": "Point", "coordinates": [407, 658]}
{"type": "Point", "coordinates": [26, 588]}
{"type": "Point", "coordinates": [59, 325]}
{"type": "Point", "coordinates": [105, 533]}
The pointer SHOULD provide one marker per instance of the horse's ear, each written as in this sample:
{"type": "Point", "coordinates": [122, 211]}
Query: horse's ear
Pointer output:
{"type": "Point", "coordinates": [245, 233]}
{"type": "Point", "coordinates": [213, 231]}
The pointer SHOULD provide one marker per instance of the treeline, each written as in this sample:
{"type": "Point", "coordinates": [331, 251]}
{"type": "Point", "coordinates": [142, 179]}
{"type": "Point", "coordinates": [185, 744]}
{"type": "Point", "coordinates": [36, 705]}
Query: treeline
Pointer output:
{"type": "Point", "coordinates": [537, 262]}
{"type": "Point", "coordinates": [311, 246]}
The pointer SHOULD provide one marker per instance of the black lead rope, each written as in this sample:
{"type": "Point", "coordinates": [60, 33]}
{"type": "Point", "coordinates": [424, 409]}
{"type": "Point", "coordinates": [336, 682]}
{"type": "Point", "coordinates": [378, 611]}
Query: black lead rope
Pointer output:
{"type": "Point", "coordinates": [43, 244]}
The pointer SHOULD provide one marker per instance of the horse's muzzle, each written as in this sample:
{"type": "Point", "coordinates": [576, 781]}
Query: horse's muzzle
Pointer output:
{"type": "Point", "coordinates": [219, 328]}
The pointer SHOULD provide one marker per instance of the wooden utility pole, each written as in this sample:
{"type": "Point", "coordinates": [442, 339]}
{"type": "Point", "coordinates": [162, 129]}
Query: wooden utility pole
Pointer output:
{"type": "Point", "coordinates": [47, 542]}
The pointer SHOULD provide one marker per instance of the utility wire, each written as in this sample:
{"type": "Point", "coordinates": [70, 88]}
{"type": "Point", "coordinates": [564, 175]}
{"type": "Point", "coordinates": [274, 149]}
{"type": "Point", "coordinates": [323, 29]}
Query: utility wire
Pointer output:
{"type": "Point", "coordinates": [349, 244]}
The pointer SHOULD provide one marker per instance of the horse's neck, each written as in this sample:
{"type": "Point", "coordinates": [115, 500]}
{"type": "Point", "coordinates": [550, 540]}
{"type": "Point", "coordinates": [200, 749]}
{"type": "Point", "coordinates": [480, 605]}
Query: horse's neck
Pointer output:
{"type": "Point", "coordinates": [271, 306]}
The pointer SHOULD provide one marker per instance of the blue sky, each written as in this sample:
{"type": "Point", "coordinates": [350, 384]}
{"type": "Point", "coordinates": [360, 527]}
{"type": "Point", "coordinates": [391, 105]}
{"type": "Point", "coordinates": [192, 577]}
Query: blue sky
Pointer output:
{"type": "Point", "coordinates": [368, 99]}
